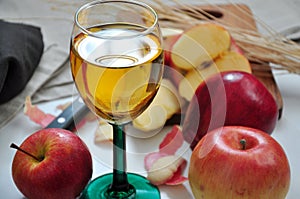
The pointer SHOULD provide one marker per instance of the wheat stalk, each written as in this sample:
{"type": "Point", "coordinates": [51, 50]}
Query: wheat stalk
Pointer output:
{"type": "Point", "coordinates": [274, 48]}
{"type": "Point", "coordinates": [271, 48]}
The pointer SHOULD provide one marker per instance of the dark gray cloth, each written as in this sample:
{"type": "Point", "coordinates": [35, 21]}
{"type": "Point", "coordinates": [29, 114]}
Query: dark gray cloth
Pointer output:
{"type": "Point", "coordinates": [21, 48]}
{"type": "Point", "coordinates": [52, 78]}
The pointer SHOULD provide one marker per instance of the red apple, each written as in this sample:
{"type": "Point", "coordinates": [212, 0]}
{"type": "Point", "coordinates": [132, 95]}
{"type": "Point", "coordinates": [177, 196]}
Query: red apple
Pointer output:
{"type": "Point", "coordinates": [241, 163]}
{"type": "Point", "coordinates": [63, 168]}
{"type": "Point", "coordinates": [229, 98]}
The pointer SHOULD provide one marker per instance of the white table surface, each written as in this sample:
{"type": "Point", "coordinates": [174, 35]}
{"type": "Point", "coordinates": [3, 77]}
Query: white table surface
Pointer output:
{"type": "Point", "coordinates": [276, 13]}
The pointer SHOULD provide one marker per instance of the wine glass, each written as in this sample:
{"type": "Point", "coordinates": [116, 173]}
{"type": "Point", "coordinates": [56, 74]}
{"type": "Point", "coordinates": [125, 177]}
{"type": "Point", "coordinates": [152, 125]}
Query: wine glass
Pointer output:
{"type": "Point", "coordinates": [116, 61]}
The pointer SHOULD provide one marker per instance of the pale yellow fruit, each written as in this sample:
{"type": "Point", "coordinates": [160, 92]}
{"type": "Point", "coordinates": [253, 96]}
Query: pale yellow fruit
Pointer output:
{"type": "Point", "coordinates": [163, 169]}
{"type": "Point", "coordinates": [227, 61]}
{"type": "Point", "coordinates": [199, 45]}
{"type": "Point", "coordinates": [166, 102]}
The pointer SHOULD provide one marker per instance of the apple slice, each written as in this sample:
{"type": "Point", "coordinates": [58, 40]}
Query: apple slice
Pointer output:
{"type": "Point", "coordinates": [170, 37]}
{"type": "Point", "coordinates": [164, 168]}
{"type": "Point", "coordinates": [232, 60]}
{"type": "Point", "coordinates": [199, 45]}
{"type": "Point", "coordinates": [104, 132]}
{"type": "Point", "coordinates": [193, 78]}
{"type": "Point", "coordinates": [235, 47]}
{"type": "Point", "coordinates": [36, 114]}
{"type": "Point", "coordinates": [166, 102]}
{"type": "Point", "coordinates": [227, 61]}
{"type": "Point", "coordinates": [172, 141]}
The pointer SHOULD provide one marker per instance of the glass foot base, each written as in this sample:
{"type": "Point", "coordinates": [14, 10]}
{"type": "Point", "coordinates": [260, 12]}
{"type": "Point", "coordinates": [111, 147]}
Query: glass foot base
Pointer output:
{"type": "Point", "coordinates": [97, 189]}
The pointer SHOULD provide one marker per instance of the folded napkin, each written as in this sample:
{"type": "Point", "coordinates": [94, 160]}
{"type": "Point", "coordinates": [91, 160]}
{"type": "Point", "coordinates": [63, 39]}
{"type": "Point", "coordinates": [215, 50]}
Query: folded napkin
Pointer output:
{"type": "Point", "coordinates": [21, 48]}
{"type": "Point", "coordinates": [52, 64]}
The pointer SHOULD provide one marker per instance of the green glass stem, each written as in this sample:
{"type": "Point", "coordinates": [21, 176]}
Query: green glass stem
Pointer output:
{"type": "Point", "coordinates": [120, 185]}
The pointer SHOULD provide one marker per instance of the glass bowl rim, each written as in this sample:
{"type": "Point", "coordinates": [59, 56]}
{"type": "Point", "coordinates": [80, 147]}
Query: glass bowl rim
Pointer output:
{"type": "Point", "coordinates": [98, 2]}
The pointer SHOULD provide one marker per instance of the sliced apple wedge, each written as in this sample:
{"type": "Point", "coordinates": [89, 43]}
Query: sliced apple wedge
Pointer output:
{"type": "Point", "coordinates": [193, 78]}
{"type": "Point", "coordinates": [104, 132]}
{"type": "Point", "coordinates": [232, 60]}
{"type": "Point", "coordinates": [234, 47]}
{"type": "Point", "coordinates": [166, 102]}
{"type": "Point", "coordinates": [199, 45]}
{"type": "Point", "coordinates": [227, 61]}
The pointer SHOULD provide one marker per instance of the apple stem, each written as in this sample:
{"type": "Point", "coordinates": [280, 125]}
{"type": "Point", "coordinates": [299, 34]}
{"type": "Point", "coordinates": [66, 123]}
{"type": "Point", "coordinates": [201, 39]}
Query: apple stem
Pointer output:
{"type": "Point", "coordinates": [14, 146]}
{"type": "Point", "coordinates": [243, 143]}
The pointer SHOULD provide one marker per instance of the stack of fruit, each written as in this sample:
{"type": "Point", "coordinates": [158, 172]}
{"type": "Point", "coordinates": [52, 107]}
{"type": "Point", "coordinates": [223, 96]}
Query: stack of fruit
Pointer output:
{"type": "Point", "coordinates": [229, 118]}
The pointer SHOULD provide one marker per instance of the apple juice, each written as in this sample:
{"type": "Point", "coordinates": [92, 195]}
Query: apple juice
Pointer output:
{"type": "Point", "coordinates": [117, 70]}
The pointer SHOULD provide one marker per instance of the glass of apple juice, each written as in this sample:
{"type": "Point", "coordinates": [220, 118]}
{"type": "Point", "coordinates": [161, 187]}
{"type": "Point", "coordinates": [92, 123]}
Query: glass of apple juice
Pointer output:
{"type": "Point", "coordinates": [116, 61]}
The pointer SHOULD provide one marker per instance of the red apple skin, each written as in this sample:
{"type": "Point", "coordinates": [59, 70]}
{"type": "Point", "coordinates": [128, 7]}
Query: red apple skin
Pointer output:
{"type": "Point", "coordinates": [220, 168]}
{"type": "Point", "coordinates": [168, 44]}
{"type": "Point", "coordinates": [235, 47]}
{"type": "Point", "coordinates": [64, 171]}
{"type": "Point", "coordinates": [172, 73]}
{"type": "Point", "coordinates": [232, 98]}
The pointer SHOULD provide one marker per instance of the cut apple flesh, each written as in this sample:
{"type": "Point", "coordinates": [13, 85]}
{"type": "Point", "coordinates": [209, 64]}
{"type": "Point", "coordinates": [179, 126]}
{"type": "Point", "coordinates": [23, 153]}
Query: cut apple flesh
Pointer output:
{"type": "Point", "coordinates": [199, 45]}
{"type": "Point", "coordinates": [166, 102]}
{"type": "Point", "coordinates": [193, 78]}
{"type": "Point", "coordinates": [164, 168]}
{"type": "Point", "coordinates": [227, 61]}
{"type": "Point", "coordinates": [231, 60]}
